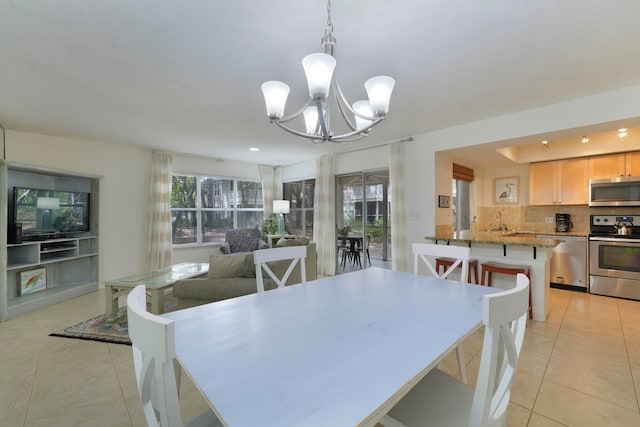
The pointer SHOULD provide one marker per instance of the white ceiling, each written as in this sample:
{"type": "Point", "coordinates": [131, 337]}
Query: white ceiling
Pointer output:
{"type": "Point", "coordinates": [185, 75]}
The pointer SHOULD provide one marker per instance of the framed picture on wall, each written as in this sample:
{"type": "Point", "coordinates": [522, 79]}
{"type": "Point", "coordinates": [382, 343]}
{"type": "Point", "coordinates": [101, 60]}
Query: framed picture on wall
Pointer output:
{"type": "Point", "coordinates": [33, 281]}
{"type": "Point", "coordinates": [443, 202]}
{"type": "Point", "coordinates": [507, 190]}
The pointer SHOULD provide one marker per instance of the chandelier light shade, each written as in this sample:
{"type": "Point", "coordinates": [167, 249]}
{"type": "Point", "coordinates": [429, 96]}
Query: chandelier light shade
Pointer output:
{"type": "Point", "coordinates": [318, 67]}
{"type": "Point", "coordinates": [363, 108]}
{"type": "Point", "coordinates": [325, 94]}
{"type": "Point", "coordinates": [275, 95]}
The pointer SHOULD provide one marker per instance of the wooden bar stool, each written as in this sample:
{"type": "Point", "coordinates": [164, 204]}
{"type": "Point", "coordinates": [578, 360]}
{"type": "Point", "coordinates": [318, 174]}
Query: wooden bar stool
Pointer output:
{"type": "Point", "coordinates": [490, 267]}
{"type": "Point", "coordinates": [447, 262]}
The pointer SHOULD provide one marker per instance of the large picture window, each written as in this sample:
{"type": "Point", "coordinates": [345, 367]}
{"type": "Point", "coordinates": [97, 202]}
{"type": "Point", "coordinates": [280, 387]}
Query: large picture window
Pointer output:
{"type": "Point", "coordinates": [299, 220]}
{"type": "Point", "coordinates": [203, 208]}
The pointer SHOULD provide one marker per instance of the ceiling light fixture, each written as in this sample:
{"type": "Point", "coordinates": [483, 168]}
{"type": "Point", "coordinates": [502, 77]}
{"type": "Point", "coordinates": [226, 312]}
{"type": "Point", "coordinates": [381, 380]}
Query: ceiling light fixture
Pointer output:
{"type": "Point", "coordinates": [622, 132]}
{"type": "Point", "coordinates": [545, 144]}
{"type": "Point", "coordinates": [319, 68]}
{"type": "Point", "coordinates": [585, 139]}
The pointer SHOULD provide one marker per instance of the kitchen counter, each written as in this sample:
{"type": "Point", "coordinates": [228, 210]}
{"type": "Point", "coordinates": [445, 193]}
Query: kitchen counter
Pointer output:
{"type": "Point", "coordinates": [518, 248]}
{"type": "Point", "coordinates": [514, 238]}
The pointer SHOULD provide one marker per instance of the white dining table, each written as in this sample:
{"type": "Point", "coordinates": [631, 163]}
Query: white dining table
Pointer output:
{"type": "Point", "coordinates": [337, 351]}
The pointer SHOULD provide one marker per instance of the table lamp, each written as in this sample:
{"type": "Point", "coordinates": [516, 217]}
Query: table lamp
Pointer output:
{"type": "Point", "coordinates": [281, 207]}
{"type": "Point", "coordinates": [47, 203]}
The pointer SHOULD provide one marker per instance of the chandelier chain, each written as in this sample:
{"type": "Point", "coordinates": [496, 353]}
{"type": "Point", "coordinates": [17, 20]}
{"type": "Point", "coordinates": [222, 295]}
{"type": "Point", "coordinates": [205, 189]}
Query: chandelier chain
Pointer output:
{"type": "Point", "coordinates": [329, 29]}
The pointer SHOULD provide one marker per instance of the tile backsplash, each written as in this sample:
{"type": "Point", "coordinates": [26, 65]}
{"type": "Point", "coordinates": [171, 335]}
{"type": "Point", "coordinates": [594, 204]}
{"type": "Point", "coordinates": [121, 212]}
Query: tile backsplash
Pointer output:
{"type": "Point", "coordinates": [533, 217]}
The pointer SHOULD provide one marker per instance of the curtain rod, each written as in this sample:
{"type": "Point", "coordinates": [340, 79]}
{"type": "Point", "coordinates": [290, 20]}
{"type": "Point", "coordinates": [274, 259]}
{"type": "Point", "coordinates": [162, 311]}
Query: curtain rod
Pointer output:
{"type": "Point", "coordinates": [355, 150]}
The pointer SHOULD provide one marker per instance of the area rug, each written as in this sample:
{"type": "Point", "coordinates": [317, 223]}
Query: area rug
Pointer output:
{"type": "Point", "coordinates": [100, 328]}
{"type": "Point", "coordinates": [104, 329]}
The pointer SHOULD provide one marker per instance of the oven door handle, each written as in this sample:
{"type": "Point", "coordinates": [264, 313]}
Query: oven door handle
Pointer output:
{"type": "Point", "coordinates": [613, 239]}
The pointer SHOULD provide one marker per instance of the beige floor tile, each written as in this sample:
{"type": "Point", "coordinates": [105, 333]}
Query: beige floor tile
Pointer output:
{"type": "Point", "coordinates": [537, 420]}
{"type": "Point", "coordinates": [525, 389]}
{"type": "Point", "coordinates": [607, 377]}
{"type": "Point", "coordinates": [573, 408]}
{"type": "Point", "coordinates": [517, 416]}
{"type": "Point", "coordinates": [543, 328]}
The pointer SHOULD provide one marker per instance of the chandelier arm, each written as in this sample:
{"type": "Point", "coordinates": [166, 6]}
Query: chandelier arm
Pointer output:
{"type": "Point", "coordinates": [343, 98]}
{"type": "Point", "coordinates": [364, 132]}
{"type": "Point", "coordinates": [294, 115]}
{"type": "Point", "coordinates": [342, 101]}
{"type": "Point", "coordinates": [298, 133]}
{"type": "Point", "coordinates": [321, 125]}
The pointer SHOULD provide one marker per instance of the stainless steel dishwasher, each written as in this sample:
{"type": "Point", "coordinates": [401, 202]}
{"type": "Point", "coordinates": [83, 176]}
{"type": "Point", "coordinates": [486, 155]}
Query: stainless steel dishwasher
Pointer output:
{"type": "Point", "coordinates": [568, 269]}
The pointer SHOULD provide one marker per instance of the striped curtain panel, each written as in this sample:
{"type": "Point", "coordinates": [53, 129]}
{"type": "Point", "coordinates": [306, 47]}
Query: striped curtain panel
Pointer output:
{"type": "Point", "coordinates": [324, 216]}
{"type": "Point", "coordinates": [267, 176]}
{"type": "Point", "coordinates": [399, 252]}
{"type": "Point", "coordinates": [160, 238]}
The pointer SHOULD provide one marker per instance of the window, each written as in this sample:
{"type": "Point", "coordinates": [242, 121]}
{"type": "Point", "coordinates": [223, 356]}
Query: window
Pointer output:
{"type": "Point", "coordinates": [203, 208]}
{"type": "Point", "coordinates": [300, 194]}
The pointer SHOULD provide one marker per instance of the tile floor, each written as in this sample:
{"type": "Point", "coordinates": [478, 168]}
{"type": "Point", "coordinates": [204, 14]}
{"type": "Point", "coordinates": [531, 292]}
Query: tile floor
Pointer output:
{"type": "Point", "coordinates": [580, 368]}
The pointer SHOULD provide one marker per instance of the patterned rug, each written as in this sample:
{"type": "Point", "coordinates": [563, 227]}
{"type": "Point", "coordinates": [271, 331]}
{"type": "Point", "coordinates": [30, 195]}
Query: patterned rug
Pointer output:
{"type": "Point", "coordinates": [101, 328]}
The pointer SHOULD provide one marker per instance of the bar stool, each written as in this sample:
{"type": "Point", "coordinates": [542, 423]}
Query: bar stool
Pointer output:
{"type": "Point", "coordinates": [490, 267]}
{"type": "Point", "coordinates": [447, 262]}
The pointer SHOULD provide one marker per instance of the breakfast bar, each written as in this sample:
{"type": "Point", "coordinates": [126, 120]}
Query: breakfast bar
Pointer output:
{"type": "Point", "coordinates": [510, 247]}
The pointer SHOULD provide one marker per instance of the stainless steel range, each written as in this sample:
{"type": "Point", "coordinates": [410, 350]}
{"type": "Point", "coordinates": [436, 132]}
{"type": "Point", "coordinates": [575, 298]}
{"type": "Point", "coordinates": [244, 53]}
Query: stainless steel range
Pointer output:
{"type": "Point", "coordinates": [614, 256]}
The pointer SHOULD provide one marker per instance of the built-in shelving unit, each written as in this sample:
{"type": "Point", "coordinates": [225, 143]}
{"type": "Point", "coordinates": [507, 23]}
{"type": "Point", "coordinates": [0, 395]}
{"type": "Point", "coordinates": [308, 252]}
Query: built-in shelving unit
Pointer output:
{"type": "Point", "coordinates": [70, 263]}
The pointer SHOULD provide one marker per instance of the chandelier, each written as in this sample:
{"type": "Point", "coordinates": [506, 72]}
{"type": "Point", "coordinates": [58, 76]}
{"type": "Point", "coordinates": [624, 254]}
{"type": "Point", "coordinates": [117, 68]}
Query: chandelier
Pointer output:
{"type": "Point", "coordinates": [319, 70]}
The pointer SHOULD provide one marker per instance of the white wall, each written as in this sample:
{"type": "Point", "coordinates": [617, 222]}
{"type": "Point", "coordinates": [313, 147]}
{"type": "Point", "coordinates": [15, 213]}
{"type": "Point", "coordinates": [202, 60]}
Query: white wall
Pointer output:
{"type": "Point", "coordinates": [422, 178]}
{"type": "Point", "coordinates": [124, 191]}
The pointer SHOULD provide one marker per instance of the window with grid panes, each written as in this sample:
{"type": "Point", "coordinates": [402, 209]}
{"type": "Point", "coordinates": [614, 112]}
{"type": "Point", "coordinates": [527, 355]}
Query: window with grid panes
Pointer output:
{"type": "Point", "coordinates": [299, 220]}
{"type": "Point", "coordinates": [203, 208]}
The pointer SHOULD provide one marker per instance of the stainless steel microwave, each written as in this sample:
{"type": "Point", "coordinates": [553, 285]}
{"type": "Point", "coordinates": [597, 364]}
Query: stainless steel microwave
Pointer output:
{"type": "Point", "coordinates": [623, 191]}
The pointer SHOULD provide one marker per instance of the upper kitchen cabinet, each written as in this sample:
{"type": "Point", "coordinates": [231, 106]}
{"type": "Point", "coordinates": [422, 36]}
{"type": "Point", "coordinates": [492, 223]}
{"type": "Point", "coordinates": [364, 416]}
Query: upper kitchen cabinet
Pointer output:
{"type": "Point", "coordinates": [614, 165]}
{"type": "Point", "coordinates": [559, 182]}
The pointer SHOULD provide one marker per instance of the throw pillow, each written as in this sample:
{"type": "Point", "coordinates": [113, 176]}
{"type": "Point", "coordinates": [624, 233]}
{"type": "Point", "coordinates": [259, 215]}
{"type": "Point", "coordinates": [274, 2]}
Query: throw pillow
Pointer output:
{"type": "Point", "coordinates": [232, 265]}
{"type": "Point", "coordinates": [303, 240]}
{"type": "Point", "coordinates": [287, 242]}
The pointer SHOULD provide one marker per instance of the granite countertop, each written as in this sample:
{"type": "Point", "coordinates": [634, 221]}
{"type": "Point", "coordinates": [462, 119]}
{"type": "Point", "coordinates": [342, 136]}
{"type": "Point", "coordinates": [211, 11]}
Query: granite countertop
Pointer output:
{"type": "Point", "coordinates": [514, 238]}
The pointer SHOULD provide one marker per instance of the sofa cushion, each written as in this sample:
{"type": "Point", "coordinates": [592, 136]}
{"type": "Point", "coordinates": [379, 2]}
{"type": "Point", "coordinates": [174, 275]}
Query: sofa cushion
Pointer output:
{"type": "Point", "coordinates": [282, 243]}
{"type": "Point", "coordinates": [232, 265]}
{"type": "Point", "coordinates": [243, 240]}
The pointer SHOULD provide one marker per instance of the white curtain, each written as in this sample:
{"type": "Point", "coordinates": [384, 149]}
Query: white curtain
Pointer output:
{"type": "Point", "coordinates": [267, 176]}
{"type": "Point", "coordinates": [160, 211]}
{"type": "Point", "coordinates": [399, 253]}
{"type": "Point", "coordinates": [324, 216]}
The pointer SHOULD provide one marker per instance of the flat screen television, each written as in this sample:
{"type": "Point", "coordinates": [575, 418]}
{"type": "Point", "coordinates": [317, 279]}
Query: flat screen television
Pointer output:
{"type": "Point", "coordinates": [48, 214]}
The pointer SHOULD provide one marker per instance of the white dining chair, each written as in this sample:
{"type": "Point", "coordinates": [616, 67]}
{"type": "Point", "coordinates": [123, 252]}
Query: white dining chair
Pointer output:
{"type": "Point", "coordinates": [261, 258]}
{"type": "Point", "coordinates": [441, 400]}
{"type": "Point", "coordinates": [154, 361]}
{"type": "Point", "coordinates": [427, 252]}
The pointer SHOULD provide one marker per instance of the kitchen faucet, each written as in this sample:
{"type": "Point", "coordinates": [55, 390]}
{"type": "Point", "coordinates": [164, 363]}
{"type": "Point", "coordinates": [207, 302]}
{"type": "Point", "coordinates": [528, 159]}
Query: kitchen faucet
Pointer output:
{"type": "Point", "coordinates": [501, 226]}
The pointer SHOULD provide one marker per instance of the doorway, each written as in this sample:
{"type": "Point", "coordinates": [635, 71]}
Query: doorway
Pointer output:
{"type": "Point", "coordinates": [363, 202]}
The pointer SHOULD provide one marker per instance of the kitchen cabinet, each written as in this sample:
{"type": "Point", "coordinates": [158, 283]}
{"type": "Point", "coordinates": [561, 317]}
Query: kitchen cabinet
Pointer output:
{"type": "Point", "coordinates": [614, 165]}
{"type": "Point", "coordinates": [559, 182]}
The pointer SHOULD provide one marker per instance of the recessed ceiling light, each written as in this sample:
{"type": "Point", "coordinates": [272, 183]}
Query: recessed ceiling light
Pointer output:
{"type": "Point", "coordinates": [622, 132]}
{"type": "Point", "coordinates": [585, 139]}
{"type": "Point", "coordinates": [254, 149]}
